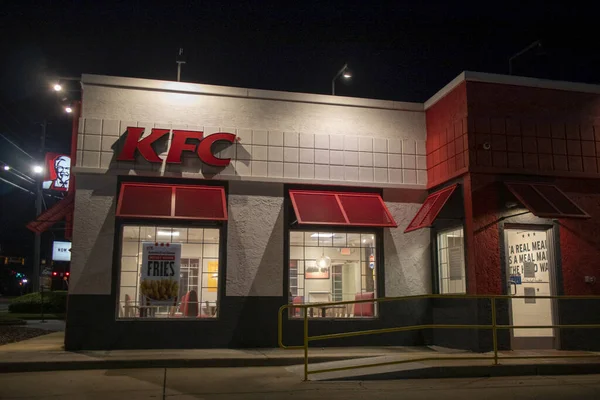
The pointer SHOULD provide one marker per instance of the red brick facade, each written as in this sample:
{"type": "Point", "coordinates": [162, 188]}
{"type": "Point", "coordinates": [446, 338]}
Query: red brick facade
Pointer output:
{"type": "Point", "coordinates": [487, 133]}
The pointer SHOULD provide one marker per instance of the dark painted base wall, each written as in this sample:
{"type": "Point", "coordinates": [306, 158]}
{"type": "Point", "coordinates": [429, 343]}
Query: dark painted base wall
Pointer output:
{"type": "Point", "coordinates": [573, 312]}
{"type": "Point", "coordinates": [468, 312]}
{"type": "Point", "coordinates": [243, 323]}
{"type": "Point", "coordinates": [252, 323]}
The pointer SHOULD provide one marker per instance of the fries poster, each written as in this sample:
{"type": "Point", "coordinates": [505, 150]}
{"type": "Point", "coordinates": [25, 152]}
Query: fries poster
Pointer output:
{"type": "Point", "coordinates": [161, 263]}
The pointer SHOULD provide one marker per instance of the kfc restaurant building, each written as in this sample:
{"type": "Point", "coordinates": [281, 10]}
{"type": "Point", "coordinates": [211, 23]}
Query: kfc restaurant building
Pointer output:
{"type": "Point", "coordinates": [200, 210]}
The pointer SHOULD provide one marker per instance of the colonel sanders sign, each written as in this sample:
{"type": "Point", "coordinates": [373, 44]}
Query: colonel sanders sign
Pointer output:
{"type": "Point", "coordinates": [58, 167]}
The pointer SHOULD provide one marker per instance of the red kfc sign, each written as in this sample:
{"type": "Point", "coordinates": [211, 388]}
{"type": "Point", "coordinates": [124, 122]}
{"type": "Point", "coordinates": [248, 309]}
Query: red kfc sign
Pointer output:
{"type": "Point", "coordinates": [202, 146]}
{"type": "Point", "coordinates": [58, 172]}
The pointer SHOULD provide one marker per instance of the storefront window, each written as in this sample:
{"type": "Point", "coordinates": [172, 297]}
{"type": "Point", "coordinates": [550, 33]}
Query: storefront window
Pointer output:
{"type": "Point", "coordinates": [332, 266]}
{"type": "Point", "coordinates": [451, 262]}
{"type": "Point", "coordinates": [193, 295]}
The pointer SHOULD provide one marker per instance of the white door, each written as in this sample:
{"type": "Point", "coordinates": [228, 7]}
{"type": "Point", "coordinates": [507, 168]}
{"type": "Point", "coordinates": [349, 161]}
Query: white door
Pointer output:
{"type": "Point", "coordinates": [530, 272]}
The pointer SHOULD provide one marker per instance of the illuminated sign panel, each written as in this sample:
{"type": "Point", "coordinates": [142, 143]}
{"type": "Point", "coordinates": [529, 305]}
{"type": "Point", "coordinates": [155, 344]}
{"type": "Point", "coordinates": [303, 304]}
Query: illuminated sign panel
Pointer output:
{"type": "Point", "coordinates": [58, 172]}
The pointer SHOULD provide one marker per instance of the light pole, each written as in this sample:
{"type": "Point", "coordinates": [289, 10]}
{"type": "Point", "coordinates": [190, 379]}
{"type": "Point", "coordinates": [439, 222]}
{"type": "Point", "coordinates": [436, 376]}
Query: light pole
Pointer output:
{"type": "Point", "coordinates": [38, 170]}
{"type": "Point", "coordinates": [345, 72]}
{"type": "Point", "coordinates": [180, 60]}
{"type": "Point", "coordinates": [535, 45]}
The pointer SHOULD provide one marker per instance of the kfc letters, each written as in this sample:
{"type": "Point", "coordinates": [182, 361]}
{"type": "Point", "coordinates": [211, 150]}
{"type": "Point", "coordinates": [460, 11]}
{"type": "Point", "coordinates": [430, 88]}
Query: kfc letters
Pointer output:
{"type": "Point", "coordinates": [181, 141]}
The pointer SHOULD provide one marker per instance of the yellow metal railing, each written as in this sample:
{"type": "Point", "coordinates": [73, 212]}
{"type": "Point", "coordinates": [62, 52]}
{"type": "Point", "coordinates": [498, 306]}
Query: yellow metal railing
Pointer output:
{"type": "Point", "coordinates": [493, 326]}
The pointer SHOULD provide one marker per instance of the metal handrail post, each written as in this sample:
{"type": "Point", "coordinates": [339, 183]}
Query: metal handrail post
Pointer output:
{"type": "Point", "coordinates": [494, 331]}
{"type": "Point", "coordinates": [305, 345]}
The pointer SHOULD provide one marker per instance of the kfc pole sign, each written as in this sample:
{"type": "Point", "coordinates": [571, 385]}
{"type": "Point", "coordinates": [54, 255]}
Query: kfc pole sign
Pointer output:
{"type": "Point", "coordinates": [189, 141]}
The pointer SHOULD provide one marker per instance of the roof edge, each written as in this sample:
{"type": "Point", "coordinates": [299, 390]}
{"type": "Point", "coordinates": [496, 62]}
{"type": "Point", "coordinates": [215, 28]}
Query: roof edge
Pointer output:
{"type": "Point", "coordinates": [229, 91]}
{"type": "Point", "coordinates": [532, 82]}
{"type": "Point", "coordinates": [445, 90]}
{"type": "Point", "coordinates": [485, 77]}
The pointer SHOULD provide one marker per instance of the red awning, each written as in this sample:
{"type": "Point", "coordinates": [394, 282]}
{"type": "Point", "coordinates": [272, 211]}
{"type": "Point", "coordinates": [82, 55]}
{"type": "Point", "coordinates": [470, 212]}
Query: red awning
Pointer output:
{"type": "Point", "coordinates": [62, 209]}
{"type": "Point", "coordinates": [430, 209]}
{"type": "Point", "coordinates": [149, 200]}
{"type": "Point", "coordinates": [545, 200]}
{"type": "Point", "coordinates": [341, 208]}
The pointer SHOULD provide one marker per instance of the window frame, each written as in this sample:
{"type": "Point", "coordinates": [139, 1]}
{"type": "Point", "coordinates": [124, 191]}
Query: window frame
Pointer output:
{"type": "Point", "coordinates": [379, 268]}
{"type": "Point", "coordinates": [435, 258]}
{"type": "Point", "coordinates": [118, 251]}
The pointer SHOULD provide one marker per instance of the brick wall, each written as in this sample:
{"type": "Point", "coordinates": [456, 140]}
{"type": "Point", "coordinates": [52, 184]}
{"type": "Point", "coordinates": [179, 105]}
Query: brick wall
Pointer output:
{"type": "Point", "coordinates": [533, 131]}
{"type": "Point", "coordinates": [447, 150]}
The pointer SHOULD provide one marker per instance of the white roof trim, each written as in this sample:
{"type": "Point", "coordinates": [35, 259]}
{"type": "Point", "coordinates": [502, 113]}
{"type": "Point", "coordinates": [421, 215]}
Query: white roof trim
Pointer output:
{"type": "Point", "coordinates": [214, 90]}
{"type": "Point", "coordinates": [532, 82]}
{"type": "Point", "coordinates": [511, 80]}
{"type": "Point", "coordinates": [195, 88]}
{"type": "Point", "coordinates": [445, 90]}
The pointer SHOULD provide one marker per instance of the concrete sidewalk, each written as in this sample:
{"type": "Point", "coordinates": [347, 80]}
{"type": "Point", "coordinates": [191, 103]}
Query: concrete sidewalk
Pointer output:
{"type": "Point", "coordinates": [46, 353]}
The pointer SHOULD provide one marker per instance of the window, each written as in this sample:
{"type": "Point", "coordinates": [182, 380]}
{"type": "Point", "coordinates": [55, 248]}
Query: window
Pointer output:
{"type": "Point", "coordinates": [196, 292]}
{"type": "Point", "coordinates": [333, 266]}
{"type": "Point", "coordinates": [451, 262]}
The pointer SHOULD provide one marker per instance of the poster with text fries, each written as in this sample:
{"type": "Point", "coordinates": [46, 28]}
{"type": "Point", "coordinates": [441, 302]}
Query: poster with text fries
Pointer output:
{"type": "Point", "coordinates": [161, 263]}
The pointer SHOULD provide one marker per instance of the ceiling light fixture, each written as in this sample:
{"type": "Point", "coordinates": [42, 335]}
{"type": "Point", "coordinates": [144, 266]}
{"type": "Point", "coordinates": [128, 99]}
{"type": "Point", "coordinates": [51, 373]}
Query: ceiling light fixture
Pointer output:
{"type": "Point", "coordinates": [167, 233]}
{"type": "Point", "coordinates": [324, 261]}
{"type": "Point", "coordinates": [323, 235]}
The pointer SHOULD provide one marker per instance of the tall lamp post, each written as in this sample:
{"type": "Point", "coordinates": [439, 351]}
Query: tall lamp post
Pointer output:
{"type": "Point", "coordinates": [344, 72]}
{"type": "Point", "coordinates": [38, 171]}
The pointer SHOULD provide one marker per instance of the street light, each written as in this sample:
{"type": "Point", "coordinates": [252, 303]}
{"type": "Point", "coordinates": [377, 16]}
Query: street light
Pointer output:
{"type": "Point", "coordinates": [38, 169]}
{"type": "Point", "coordinates": [68, 109]}
{"type": "Point", "coordinates": [344, 72]}
{"type": "Point", "coordinates": [6, 168]}
{"type": "Point", "coordinates": [537, 45]}
{"type": "Point", "coordinates": [57, 87]}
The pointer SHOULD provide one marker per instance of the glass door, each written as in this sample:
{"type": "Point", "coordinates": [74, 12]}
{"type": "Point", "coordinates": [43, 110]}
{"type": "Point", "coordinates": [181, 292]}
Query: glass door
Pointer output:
{"type": "Point", "coordinates": [530, 272]}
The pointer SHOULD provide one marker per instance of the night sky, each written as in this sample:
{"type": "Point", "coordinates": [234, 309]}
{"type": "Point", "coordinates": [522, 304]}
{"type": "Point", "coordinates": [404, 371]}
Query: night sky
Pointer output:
{"type": "Point", "coordinates": [400, 50]}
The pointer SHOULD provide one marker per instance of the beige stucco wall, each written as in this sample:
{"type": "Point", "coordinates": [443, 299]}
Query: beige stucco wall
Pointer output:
{"type": "Point", "coordinates": [93, 234]}
{"type": "Point", "coordinates": [283, 137]}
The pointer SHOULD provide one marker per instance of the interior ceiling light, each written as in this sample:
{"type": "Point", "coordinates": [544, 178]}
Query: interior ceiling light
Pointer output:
{"type": "Point", "coordinates": [167, 233]}
{"type": "Point", "coordinates": [324, 261]}
{"type": "Point", "coordinates": [323, 235]}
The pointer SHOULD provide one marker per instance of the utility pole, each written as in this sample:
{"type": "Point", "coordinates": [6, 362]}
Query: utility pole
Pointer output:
{"type": "Point", "coordinates": [38, 210]}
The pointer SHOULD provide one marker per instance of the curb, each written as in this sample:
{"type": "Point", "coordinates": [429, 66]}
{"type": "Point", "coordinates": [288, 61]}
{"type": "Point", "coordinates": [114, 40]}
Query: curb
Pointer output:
{"type": "Point", "coordinates": [42, 366]}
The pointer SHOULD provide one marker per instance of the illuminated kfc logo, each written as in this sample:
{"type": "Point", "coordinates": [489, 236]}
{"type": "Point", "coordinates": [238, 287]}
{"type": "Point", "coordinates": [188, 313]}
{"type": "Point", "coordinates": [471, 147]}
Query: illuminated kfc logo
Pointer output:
{"type": "Point", "coordinates": [58, 167]}
{"type": "Point", "coordinates": [182, 141]}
